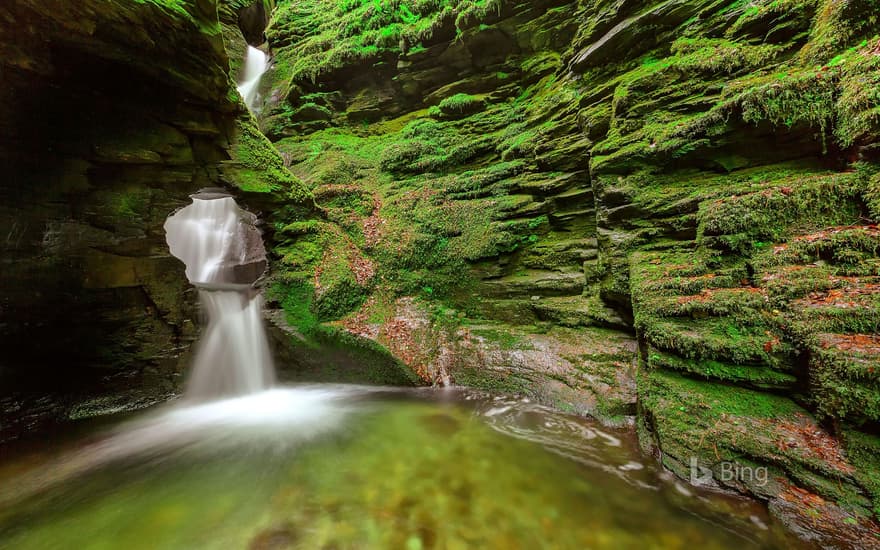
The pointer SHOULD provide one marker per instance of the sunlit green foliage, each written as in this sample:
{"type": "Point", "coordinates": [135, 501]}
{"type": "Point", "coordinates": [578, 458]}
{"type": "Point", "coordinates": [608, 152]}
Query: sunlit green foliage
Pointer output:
{"type": "Point", "coordinates": [334, 33]}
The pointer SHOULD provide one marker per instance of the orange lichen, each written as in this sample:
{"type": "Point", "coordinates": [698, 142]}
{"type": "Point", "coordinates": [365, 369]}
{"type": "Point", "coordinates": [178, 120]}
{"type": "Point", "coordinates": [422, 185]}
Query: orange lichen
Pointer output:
{"type": "Point", "coordinates": [867, 344]}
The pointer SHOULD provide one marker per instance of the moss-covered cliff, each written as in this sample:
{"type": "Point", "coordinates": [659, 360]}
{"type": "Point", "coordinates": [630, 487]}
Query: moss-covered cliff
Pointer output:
{"type": "Point", "coordinates": [600, 203]}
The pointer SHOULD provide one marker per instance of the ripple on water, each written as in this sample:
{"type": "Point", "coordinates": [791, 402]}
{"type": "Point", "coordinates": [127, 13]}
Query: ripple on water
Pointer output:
{"type": "Point", "coordinates": [575, 438]}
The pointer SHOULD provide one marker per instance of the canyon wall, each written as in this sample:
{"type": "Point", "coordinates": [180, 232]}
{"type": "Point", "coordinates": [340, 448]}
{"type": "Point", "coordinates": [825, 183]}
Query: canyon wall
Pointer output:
{"type": "Point", "coordinates": [111, 114]}
{"type": "Point", "coordinates": [655, 209]}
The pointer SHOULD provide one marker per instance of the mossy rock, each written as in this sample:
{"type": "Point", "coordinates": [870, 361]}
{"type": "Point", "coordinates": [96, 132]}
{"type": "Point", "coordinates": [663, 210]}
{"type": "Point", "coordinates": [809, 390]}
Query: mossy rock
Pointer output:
{"type": "Point", "coordinates": [717, 424]}
{"type": "Point", "coordinates": [460, 106]}
{"type": "Point", "coordinates": [257, 167]}
{"type": "Point", "coordinates": [754, 376]}
{"type": "Point", "coordinates": [864, 451]}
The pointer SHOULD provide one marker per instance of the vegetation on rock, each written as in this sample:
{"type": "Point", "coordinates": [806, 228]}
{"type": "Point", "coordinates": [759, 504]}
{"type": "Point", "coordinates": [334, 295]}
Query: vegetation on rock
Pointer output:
{"type": "Point", "coordinates": [702, 175]}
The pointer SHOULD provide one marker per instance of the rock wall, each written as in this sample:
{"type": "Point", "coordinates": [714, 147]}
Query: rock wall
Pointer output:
{"type": "Point", "coordinates": [111, 114]}
{"type": "Point", "coordinates": [602, 203]}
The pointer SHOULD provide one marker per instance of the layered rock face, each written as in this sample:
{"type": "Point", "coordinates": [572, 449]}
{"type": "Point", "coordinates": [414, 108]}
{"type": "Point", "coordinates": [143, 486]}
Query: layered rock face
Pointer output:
{"type": "Point", "coordinates": [604, 204]}
{"type": "Point", "coordinates": [111, 114]}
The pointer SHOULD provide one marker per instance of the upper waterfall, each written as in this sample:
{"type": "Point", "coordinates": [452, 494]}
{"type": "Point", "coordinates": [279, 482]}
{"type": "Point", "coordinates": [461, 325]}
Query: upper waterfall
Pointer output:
{"type": "Point", "coordinates": [217, 241]}
{"type": "Point", "coordinates": [255, 65]}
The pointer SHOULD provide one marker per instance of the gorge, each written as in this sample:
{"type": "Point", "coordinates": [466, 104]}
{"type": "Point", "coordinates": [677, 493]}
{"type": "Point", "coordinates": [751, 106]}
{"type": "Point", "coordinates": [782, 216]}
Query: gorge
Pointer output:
{"type": "Point", "coordinates": [654, 221]}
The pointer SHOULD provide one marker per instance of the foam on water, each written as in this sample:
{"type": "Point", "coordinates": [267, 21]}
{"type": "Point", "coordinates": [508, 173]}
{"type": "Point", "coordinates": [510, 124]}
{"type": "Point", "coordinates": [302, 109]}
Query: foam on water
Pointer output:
{"type": "Point", "coordinates": [279, 420]}
{"type": "Point", "coordinates": [563, 434]}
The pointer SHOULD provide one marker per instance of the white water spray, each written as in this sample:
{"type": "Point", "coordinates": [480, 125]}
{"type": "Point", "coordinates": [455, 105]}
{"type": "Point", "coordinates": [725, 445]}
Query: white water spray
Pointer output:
{"type": "Point", "coordinates": [255, 65]}
{"type": "Point", "coordinates": [224, 255]}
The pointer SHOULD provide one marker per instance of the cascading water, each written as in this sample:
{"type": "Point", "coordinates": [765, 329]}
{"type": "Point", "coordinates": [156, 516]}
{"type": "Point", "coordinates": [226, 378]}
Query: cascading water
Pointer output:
{"type": "Point", "coordinates": [255, 65]}
{"type": "Point", "coordinates": [224, 255]}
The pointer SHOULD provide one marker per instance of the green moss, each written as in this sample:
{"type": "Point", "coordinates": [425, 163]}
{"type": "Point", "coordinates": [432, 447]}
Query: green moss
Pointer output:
{"type": "Point", "coordinates": [864, 452]}
{"type": "Point", "coordinates": [425, 237]}
{"type": "Point", "coordinates": [759, 377]}
{"type": "Point", "coordinates": [339, 296]}
{"type": "Point", "coordinates": [133, 203]}
{"type": "Point", "coordinates": [717, 56]}
{"type": "Point", "coordinates": [678, 273]}
{"type": "Point", "coordinates": [502, 336]}
{"type": "Point", "coordinates": [320, 253]}
{"type": "Point", "coordinates": [259, 168]}
{"type": "Point", "coordinates": [296, 300]}
{"type": "Point", "coordinates": [412, 156]}
{"type": "Point", "coordinates": [872, 197]}
{"type": "Point", "coordinates": [330, 353]}
{"type": "Point", "coordinates": [713, 422]}
{"type": "Point", "coordinates": [722, 340]}
{"type": "Point", "coordinates": [742, 304]}
{"type": "Point", "coordinates": [681, 155]}
{"type": "Point", "coordinates": [683, 400]}
{"type": "Point", "coordinates": [349, 200]}
{"type": "Point", "coordinates": [236, 50]}
{"type": "Point", "coordinates": [858, 104]}
{"type": "Point", "coordinates": [846, 384]}
{"type": "Point", "coordinates": [460, 105]}
{"type": "Point", "coordinates": [838, 25]}
{"type": "Point", "coordinates": [178, 6]}
{"type": "Point", "coordinates": [847, 250]}
{"type": "Point", "coordinates": [755, 18]}
{"type": "Point", "coordinates": [493, 380]}
{"type": "Point", "coordinates": [681, 105]}
{"type": "Point", "coordinates": [350, 358]}
{"type": "Point", "coordinates": [337, 34]}
{"type": "Point", "coordinates": [791, 98]}
{"type": "Point", "coordinates": [738, 223]}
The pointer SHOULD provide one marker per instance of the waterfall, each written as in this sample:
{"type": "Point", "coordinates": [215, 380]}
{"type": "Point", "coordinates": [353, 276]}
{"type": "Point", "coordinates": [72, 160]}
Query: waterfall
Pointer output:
{"type": "Point", "coordinates": [256, 63]}
{"type": "Point", "coordinates": [233, 356]}
{"type": "Point", "coordinates": [224, 255]}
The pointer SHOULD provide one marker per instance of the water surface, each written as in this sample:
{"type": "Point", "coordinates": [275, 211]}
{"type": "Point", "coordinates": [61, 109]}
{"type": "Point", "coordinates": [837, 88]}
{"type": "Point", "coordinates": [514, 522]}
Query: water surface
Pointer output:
{"type": "Point", "coordinates": [351, 467]}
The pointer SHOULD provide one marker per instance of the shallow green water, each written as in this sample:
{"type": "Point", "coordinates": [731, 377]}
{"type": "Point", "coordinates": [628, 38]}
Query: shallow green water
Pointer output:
{"type": "Point", "coordinates": [352, 468]}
